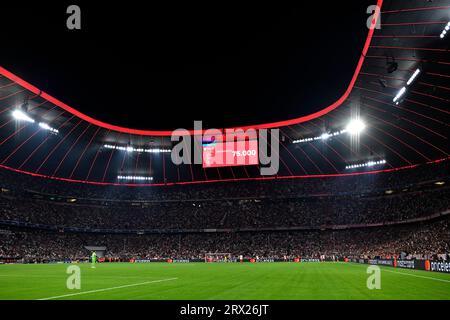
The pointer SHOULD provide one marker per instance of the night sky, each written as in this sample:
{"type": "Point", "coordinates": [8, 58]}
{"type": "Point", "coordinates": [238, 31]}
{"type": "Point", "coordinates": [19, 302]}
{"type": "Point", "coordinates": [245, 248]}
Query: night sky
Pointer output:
{"type": "Point", "coordinates": [163, 66]}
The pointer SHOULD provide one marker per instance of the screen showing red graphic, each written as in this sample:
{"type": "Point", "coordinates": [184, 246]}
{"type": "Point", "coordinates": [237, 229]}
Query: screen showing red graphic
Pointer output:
{"type": "Point", "coordinates": [231, 153]}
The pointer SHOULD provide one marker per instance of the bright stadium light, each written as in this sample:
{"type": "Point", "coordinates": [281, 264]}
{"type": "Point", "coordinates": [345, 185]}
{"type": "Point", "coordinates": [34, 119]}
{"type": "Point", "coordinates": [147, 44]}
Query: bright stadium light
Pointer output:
{"type": "Point", "coordinates": [355, 126]}
{"type": "Point", "coordinates": [20, 115]}
{"type": "Point", "coordinates": [323, 136]}
{"type": "Point", "coordinates": [45, 126]}
{"type": "Point", "coordinates": [135, 178]}
{"type": "Point", "coordinates": [403, 90]}
{"type": "Point", "coordinates": [303, 140]}
{"type": "Point", "coordinates": [413, 77]}
{"type": "Point", "coordinates": [366, 164]}
{"type": "Point", "coordinates": [445, 31]}
{"type": "Point", "coordinates": [399, 95]}
{"type": "Point", "coordinates": [132, 149]}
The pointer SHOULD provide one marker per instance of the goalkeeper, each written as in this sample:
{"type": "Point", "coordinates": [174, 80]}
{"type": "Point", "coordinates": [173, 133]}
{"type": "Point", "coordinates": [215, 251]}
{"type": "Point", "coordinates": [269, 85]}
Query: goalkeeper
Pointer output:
{"type": "Point", "coordinates": [93, 259]}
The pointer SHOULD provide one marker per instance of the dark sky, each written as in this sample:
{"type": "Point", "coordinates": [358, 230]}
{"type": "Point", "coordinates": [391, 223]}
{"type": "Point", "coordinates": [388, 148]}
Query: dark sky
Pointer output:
{"type": "Point", "coordinates": [163, 66]}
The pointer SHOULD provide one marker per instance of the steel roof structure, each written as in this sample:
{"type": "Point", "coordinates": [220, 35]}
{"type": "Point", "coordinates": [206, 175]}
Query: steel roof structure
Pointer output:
{"type": "Point", "coordinates": [405, 131]}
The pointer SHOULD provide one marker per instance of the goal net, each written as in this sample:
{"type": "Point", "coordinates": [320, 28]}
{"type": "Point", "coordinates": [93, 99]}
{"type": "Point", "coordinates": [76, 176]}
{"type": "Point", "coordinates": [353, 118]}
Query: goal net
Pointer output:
{"type": "Point", "coordinates": [218, 257]}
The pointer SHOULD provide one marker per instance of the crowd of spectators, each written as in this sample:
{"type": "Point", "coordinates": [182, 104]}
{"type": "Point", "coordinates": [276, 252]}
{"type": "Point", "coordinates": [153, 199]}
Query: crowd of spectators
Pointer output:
{"type": "Point", "coordinates": [253, 218]}
{"type": "Point", "coordinates": [428, 240]}
{"type": "Point", "coordinates": [231, 214]}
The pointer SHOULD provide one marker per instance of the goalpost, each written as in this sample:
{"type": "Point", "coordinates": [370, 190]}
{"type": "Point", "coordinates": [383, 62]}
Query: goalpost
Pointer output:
{"type": "Point", "coordinates": [217, 257]}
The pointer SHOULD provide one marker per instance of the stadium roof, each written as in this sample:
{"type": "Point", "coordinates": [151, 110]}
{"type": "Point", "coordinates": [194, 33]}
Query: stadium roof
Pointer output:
{"type": "Point", "coordinates": [404, 127]}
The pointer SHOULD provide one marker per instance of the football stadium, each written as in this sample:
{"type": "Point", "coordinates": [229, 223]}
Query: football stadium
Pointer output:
{"type": "Point", "coordinates": [335, 186]}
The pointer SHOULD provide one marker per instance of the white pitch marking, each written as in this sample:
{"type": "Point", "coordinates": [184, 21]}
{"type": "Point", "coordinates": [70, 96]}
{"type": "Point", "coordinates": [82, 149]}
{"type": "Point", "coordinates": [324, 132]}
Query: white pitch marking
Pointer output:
{"type": "Point", "coordinates": [406, 274]}
{"type": "Point", "coordinates": [417, 276]}
{"type": "Point", "coordinates": [107, 289]}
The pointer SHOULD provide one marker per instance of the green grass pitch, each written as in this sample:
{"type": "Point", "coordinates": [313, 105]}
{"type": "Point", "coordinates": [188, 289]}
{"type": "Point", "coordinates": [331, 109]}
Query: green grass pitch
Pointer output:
{"type": "Point", "coordinates": [199, 281]}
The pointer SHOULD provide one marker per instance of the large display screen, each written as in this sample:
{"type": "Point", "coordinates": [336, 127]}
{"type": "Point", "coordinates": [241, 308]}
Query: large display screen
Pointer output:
{"type": "Point", "coordinates": [230, 153]}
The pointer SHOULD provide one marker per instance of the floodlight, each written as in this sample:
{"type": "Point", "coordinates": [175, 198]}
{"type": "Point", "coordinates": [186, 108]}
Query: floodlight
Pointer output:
{"type": "Point", "coordinates": [413, 77]}
{"type": "Point", "coordinates": [355, 126]}
{"type": "Point", "coordinates": [44, 126]}
{"type": "Point", "coordinates": [325, 136]}
{"type": "Point", "coordinates": [400, 94]}
{"type": "Point", "coordinates": [20, 115]}
{"type": "Point", "coordinates": [444, 32]}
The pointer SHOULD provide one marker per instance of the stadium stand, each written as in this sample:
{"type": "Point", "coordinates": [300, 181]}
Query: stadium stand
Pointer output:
{"type": "Point", "coordinates": [404, 213]}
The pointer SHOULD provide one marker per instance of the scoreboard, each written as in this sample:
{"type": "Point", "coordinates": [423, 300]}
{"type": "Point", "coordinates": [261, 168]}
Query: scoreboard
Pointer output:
{"type": "Point", "coordinates": [230, 153]}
